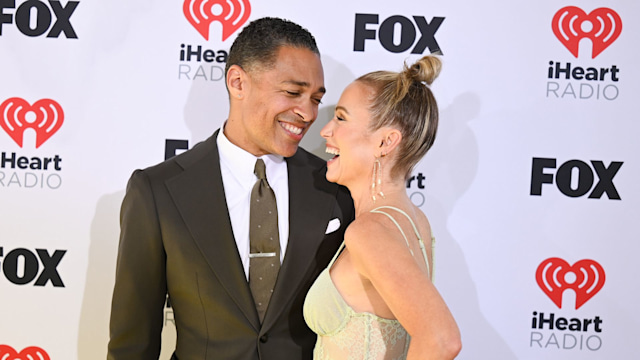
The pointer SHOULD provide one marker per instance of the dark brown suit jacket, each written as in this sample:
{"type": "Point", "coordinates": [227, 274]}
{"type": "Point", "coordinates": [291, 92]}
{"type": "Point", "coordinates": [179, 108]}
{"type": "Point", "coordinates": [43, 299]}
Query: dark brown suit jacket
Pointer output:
{"type": "Point", "coordinates": [176, 238]}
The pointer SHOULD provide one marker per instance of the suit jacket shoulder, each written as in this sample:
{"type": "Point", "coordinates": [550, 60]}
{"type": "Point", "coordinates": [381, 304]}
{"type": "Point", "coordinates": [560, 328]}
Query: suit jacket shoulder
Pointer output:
{"type": "Point", "coordinates": [206, 151]}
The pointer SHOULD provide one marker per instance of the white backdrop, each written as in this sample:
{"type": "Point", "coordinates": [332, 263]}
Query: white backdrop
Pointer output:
{"type": "Point", "coordinates": [94, 91]}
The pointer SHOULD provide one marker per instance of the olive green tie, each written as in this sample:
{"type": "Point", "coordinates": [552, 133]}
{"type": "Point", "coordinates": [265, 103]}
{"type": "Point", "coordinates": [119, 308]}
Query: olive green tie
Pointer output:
{"type": "Point", "coordinates": [264, 254]}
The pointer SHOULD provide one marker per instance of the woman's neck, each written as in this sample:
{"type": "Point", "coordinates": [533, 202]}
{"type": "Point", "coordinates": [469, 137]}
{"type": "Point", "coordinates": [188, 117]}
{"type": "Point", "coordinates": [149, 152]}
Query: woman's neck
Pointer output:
{"type": "Point", "coordinates": [393, 193]}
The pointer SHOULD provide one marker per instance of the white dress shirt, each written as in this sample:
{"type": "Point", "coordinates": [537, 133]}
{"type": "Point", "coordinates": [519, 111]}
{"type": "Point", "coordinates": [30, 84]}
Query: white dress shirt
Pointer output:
{"type": "Point", "coordinates": [238, 179]}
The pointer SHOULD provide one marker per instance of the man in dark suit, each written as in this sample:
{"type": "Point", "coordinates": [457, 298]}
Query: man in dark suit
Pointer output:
{"type": "Point", "coordinates": [184, 222]}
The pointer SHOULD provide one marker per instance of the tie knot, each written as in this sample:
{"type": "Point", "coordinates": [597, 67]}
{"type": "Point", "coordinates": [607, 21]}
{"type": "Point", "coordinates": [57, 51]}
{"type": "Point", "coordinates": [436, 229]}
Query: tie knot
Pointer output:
{"type": "Point", "coordinates": [259, 170]}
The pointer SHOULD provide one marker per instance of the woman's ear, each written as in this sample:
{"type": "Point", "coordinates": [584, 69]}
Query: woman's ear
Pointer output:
{"type": "Point", "coordinates": [236, 81]}
{"type": "Point", "coordinates": [390, 140]}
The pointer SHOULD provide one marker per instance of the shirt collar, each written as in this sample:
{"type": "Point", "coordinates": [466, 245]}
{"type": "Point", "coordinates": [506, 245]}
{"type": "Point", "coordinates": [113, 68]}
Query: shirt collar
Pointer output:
{"type": "Point", "coordinates": [241, 162]}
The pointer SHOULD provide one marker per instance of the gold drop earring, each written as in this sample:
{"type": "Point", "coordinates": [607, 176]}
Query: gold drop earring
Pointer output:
{"type": "Point", "coordinates": [376, 178]}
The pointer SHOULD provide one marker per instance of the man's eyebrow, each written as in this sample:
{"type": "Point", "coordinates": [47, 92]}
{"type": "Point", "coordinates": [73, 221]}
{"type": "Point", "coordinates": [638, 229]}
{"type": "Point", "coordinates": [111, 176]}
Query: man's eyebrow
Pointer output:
{"type": "Point", "coordinates": [304, 84]}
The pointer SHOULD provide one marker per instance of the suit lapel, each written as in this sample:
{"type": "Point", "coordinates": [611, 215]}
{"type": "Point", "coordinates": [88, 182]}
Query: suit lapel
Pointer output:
{"type": "Point", "coordinates": [311, 200]}
{"type": "Point", "coordinates": [206, 216]}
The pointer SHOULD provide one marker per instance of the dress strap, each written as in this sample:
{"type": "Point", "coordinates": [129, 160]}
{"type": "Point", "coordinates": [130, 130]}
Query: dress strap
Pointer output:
{"type": "Point", "coordinates": [415, 230]}
{"type": "Point", "coordinates": [336, 255]}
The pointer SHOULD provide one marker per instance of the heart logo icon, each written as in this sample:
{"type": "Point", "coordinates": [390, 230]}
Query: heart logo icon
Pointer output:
{"type": "Point", "coordinates": [231, 14]}
{"type": "Point", "coordinates": [45, 116]}
{"type": "Point", "coordinates": [30, 353]}
{"type": "Point", "coordinates": [571, 24]}
{"type": "Point", "coordinates": [585, 278]}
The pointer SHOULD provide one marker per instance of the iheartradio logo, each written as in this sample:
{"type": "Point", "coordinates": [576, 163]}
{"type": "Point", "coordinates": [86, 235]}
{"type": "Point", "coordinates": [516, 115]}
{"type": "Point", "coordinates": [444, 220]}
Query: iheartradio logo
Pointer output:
{"type": "Point", "coordinates": [30, 353]}
{"type": "Point", "coordinates": [45, 117]}
{"type": "Point", "coordinates": [231, 14]}
{"type": "Point", "coordinates": [571, 24]}
{"type": "Point", "coordinates": [585, 278]}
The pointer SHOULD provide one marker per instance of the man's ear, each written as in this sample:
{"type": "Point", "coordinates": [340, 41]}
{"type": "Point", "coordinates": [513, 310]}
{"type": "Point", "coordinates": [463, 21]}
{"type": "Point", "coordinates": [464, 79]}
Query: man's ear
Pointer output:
{"type": "Point", "coordinates": [236, 81]}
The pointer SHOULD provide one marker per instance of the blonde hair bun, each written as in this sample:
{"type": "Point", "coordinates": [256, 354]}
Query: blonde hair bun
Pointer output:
{"type": "Point", "coordinates": [404, 100]}
{"type": "Point", "coordinates": [425, 70]}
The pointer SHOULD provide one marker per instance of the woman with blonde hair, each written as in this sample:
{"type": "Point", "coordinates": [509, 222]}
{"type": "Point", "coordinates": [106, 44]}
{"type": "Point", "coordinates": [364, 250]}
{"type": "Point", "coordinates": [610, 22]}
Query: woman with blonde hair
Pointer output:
{"type": "Point", "coordinates": [376, 299]}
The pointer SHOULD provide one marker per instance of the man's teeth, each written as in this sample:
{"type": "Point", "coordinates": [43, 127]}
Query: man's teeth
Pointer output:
{"type": "Point", "coordinates": [332, 151]}
{"type": "Point", "coordinates": [294, 129]}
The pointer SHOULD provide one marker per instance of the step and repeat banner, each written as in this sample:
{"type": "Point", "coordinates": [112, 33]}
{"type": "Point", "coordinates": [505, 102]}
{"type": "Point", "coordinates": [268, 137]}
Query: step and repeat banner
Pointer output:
{"type": "Point", "coordinates": [531, 187]}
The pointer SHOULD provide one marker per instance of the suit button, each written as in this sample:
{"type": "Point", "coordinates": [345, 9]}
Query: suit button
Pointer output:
{"type": "Point", "coordinates": [264, 338]}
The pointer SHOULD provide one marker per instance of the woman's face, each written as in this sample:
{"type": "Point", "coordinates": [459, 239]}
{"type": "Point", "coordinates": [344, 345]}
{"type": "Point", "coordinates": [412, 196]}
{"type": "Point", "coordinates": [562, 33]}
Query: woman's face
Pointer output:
{"type": "Point", "coordinates": [349, 137]}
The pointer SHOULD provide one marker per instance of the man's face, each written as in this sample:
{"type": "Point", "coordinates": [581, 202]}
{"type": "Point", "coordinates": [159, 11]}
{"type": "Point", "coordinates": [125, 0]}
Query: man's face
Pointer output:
{"type": "Point", "coordinates": [278, 105]}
